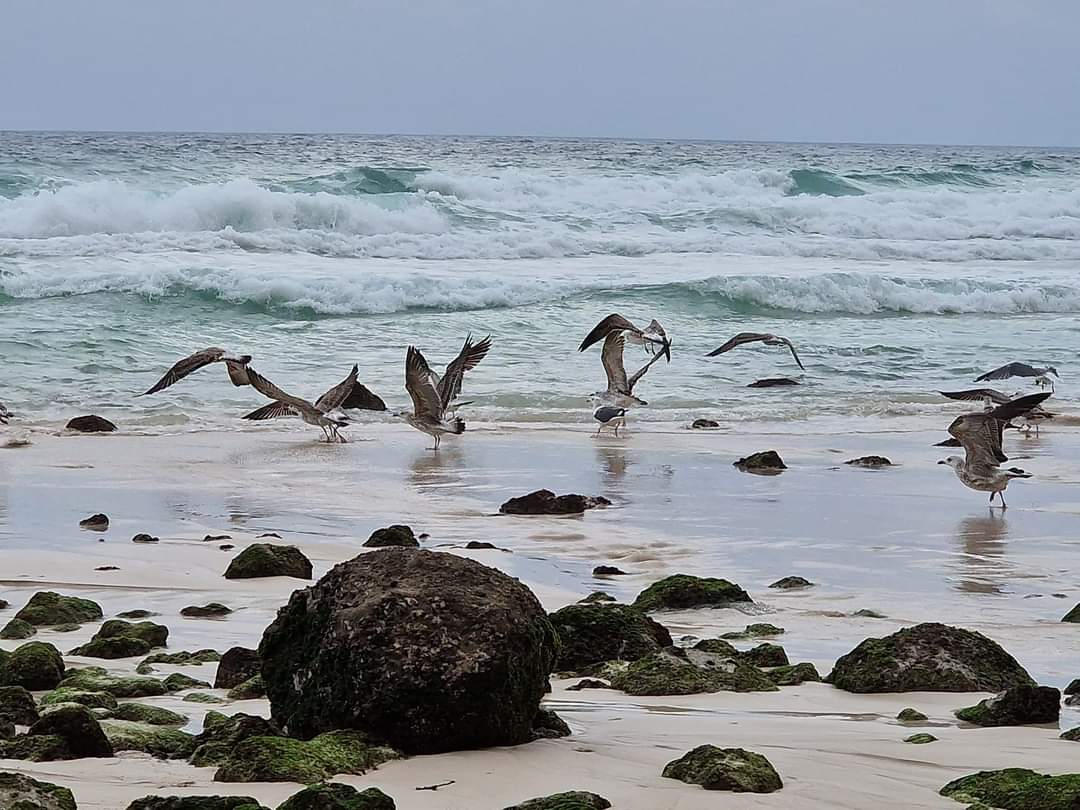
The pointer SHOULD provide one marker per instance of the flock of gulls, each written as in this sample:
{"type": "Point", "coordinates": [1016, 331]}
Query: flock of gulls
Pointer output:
{"type": "Point", "coordinates": [435, 397]}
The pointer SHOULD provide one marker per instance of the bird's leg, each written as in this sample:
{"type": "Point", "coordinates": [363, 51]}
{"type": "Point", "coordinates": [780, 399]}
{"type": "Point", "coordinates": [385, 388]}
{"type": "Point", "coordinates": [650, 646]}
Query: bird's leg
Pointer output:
{"type": "Point", "coordinates": [615, 427]}
{"type": "Point", "coordinates": [1001, 497]}
{"type": "Point", "coordinates": [597, 434]}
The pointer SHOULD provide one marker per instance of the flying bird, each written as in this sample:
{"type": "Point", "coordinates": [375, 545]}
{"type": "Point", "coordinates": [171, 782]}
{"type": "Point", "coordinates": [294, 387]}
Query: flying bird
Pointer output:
{"type": "Point", "coordinates": [980, 436]}
{"type": "Point", "coordinates": [326, 414]}
{"type": "Point", "coordinates": [615, 330]}
{"type": "Point", "coordinates": [753, 337]}
{"type": "Point", "coordinates": [433, 396]}
{"type": "Point", "coordinates": [1008, 370]}
{"type": "Point", "coordinates": [235, 365]}
{"type": "Point", "coordinates": [609, 416]}
{"type": "Point", "coordinates": [991, 397]}
{"type": "Point", "coordinates": [348, 394]}
{"type": "Point", "coordinates": [652, 337]}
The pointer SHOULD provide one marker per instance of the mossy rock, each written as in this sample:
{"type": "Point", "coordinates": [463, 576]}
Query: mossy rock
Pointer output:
{"type": "Point", "coordinates": [717, 646]}
{"type": "Point", "coordinates": [179, 659]}
{"type": "Point", "coordinates": [336, 796]}
{"type": "Point", "coordinates": [36, 666]}
{"type": "Point", "coordinates": [571, 800]}
{"type": "Point", "coordinates": [766, 655]}
{"type": "Point", "coordinates": [151, 715]}
{"type": "Point", "coordinates": [17, 706]}
{"type": "Point", "coordinates": [911, 716]}
{"type": "Point", "coordinates": [1015, 706]}
{"type": "Point", "coordinates": [668, 674]}
{"type": "Point", "coordinates": [920, 739]}
{"type": "Point", "coordinates": [268, 560]}
{"type": "Point", "coordinates": [282, 759]}
{"type": "Point", "coordinates": [161, 742]}
{"type": "Point", "coordinates": [396, 535]}
{"type": "Point", "coordinates": [178, 682]}
{"type": "Point", "coordinates": [755, 631]}
{"type": "Point", "coordinates": [91, 700]}
{"type": "Point", "coordinates": [47, 608]}
{"type": "Point", "coordinates": [734, 769]}
{"type": "Point", "coordinates": [20, 792]}
{"type": "Point", "coordinates": [7, 729]}
{"type": "Point", "coordinates": [96, 679]}
{"type": "Point", "coordinates": [136, 614]}
{"type": "Point", "coordinates": [1073, 615]}
{"type": "Point", "coordinates": [37, 748]}
{"type": "Point", "coordinates": [77, 727]}
{"type": "Point", "coordinates": [250, 689]}
{"type": "Point", "coordinates": [113, 648]}
{"type": "Point", "coordinates": [683, 591]}
{"type": "Point", "coordinates": [195, 803]}
{"type": "Point", "coordinates": [202, 697]}
{"type": "Point", "coordinates": [210, 610]}
{"type": "Point", "coordinates": [793, 674]}
{"type": "Point", "coordinates": [596, 597]}
{"type": "Point", "coordinates": [928, 658]}
{"type": "Point", "coordinates": [791, 583]}
{"type": "Point", "coordinates": [549, 725]}
{"type": "Point", "coordinates": [1017, 789]}
{"type": "Point", "coordinates": [589, 634]}
{"type": "Point", "coordinates": [66, 628]}
{"type": "Point", "coordinates": [766, 461]}
{"type": "Point", "coordinates": [1072, 735]}
{"type": "Point", "coordinates": [156, 635]}
{"type": "Point", "coordinates": [238, 664]}
{"type": "Point", "coordinates": [17, 630]}
{"type": "Point", "coordinates": [222, 733]}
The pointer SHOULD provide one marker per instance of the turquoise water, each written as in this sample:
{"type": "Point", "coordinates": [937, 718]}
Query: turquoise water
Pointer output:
{"type": "Point", "coordinates": [896, 270]}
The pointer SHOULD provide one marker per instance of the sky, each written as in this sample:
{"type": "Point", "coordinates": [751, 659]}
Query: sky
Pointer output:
{"type": "Point", "coordinates": [894, 71]}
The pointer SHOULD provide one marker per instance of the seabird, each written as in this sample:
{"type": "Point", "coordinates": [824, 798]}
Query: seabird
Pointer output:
{"type": "Point", "coordinates": [349, 394]}
{"type": "Point", "coordinates": [609, 415]}
{"type": "Point", "coordinates": [5, 414]}
{"type": "Point", "coordinates": [326, 414]}
{"type": "Point", "coordinates": [433, 396]}
{"type": "Point", "coordinates": [1021, 370]}
{"type": "Point", "coordinates": [980, 435]}
{"type": "Point", "coordinates": [235, 365]}
{"type": "Point", "coordinates": [753, 337]}
{"type": "Point", "coordinates": [991, 397]}
{"type": "Point", "coordinates": [614, 330]}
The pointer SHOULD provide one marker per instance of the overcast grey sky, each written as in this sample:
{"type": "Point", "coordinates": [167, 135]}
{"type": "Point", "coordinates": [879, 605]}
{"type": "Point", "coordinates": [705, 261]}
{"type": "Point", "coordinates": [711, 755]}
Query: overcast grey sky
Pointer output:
{"type": "Point", "coordinates": [914, 71]}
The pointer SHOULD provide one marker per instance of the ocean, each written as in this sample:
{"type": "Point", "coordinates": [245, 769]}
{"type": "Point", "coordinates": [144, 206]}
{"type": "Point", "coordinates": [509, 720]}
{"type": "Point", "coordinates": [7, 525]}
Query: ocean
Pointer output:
{"type": "Point", "coordinates": [896, 270]}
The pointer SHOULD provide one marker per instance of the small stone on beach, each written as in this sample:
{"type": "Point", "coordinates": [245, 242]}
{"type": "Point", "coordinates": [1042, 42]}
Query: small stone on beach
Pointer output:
{"type": "Point", "coordinates": [91, 424]}
{"type": "Point", "coordinates": [95, 523]}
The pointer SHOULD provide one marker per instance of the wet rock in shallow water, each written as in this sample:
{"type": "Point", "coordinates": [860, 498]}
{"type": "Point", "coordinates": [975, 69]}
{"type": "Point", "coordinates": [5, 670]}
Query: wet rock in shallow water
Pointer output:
{"type": "Point", "coordinates": [1073, 615]}
{"type": "Point", "coordinates": [222, 733]}
{"type": "Point", "coordinates": [151, 715]}
{"type": "Point", "coordinates": [77, 727]}
{"type": "Point", "coordinates": [283, 759]}
{"type": "Point", "coordinates": [414, 655]}
{"type": "Point", "coordinates": [215, 538]}
{"type": "Point", "coordinates": [135, 614]}
{"type": "Point", "coordinates": [157, 740]}
{"type": "Point", "coordinates": [587, 683]}
{"type": "Point", "coordinates": [237, 665]}
{"type": "Point", "coordinates": [96, 679]}
{"type": "Point", "coordinates": [1016, 706]}
{"type": "Point", "coordinates": [95, 523]}
{"type": "Point", "coordinates": [545, 502]}
{"type": "Point", "coordinates": [17, 629]}
{"type": "Point", "coordinates": [336, 796]}
{"type": "Point", "coordinates": [47, 608]}
{"type": "Point", "coordinates": [548, 725]}
{"type": "Point", "coordinates": [793, 674]}
{"type": "Point", "coordinates": [911, 716]}
{"type": "Point", "coordinates": [142, 537]}
{"type": "Point", "coordinates": [36, 666]}
{"type": "Point", "coordinates": [768, 462]}
{"type": "Point", "coordinates": [589, 634]}
{"type": "Point", "coordinates": [733, 769]}
{"type": "Point", "coordinates": [202, 611]}
{"type": "Point", "coordinates": [267, 560]}
{"type": "Point", "coordinates": [683, 591]}
{"type": "Point", "coordinates": [756, 631]}
{"type": "Point", "coordinates": [865, 613]}
{"type": "Point", "coordinates": [791, 583]}
{"type": "Point", "coordinates": [396, 535]}
{"type": "Point", "coordinates": [667, 673]}
{"type": "Point", "coordinates": [773, 382]}
{"type": "Point", "coordinates": [1017, 789]}
{"type": "Point", "coordinates": [766, 655]}
{"type": "Point", "coordinates": [704, 424]}
{"type": "Point", "coordinates": [480, 545]}
{"type": "Point", "coordinates": [20, 792]}
{"type": "Point", "coordinates": [870, 461]}
{"type": "Point", "coordinates": [195, 803]}
{"type": "Point", "coordinates": [928, 658]}
{"type": "Point", "coordinates": [91, 424]}
{"type": "Point", "coordinates": [17, 705]}
{"type": "Point", "coordinates": [250, 689]}
{"type": "Point", "coordinates": [571, 800]}
{"type": "Point", "coordinates": [608, 571]}
{"type": "Point", "coordinates": [920, 739]}
{"type": "Point", "coordinates": [717, 646]}
{"type": "Point", "coordinates": [1073, 734]}
{"type": "Point", "coordinates": [178, 682]}
{"type": "Point", "coordinates": [91, 700]}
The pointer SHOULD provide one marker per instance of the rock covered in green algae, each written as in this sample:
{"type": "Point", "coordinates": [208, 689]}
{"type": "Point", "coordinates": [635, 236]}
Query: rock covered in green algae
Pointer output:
{"type": "Point", "coordinates": [1072, 735]}
{"type": "Point", "coordinates": [42, 748]}
{"type": "Point", "coordinates": [1015, 706]}
{"type": "Point", "coordinates": [667, 673]}
{"type": "Point", "coordinates": [47, 608]}
{"type": "Point", "coordinates": [113, 648]}
{"type": "Point", "coordinates": [136, 614]}
{"type": "Point", "coordinates": [1017, 789]}
{"type": "Point", "coordinates": [336, 796]}
{"type": "Point", "coordinates": [928, 658]}
{"type": "Point", "coordinates": [19, 792]}
{"type": "Point", "coordinates": [283, 759]}
{"type": "Point", "coordinates": [596, 597]}
{"type": "Point", "coordinates": [592, 633]}
{"type": "Point", "coordinates": [269, 560]}
{"type": "Point", "coordinates": [210, 610]}
{"type": "Point", "coordinates": [237, 665]}
{"type": "Point", "coordinates": [222, 733]}
{"type": "Point", "coordinates": [78, 728]}
{"type": "Point", "coordinates": [178, 682]}
{"type": "Point", "coordinates": [162, 742]}
{"type": "Point", "coordinates": [682, 591]}
{"type": "Point", "coordinates": [156, 635]}
{"type": "Point", "coordinates": [548, 725]}
{"type": "Point", "coordinates": [195, 803]}
{"type": "Point", "coordinates": [250, 689]}
{"type": "Point", "coordinates": [91, 700]}
{"type": "Point", "coordinates": [202, 697]}
{"type": "Point", "coordinates": [35, 666]}
{"type": "Point", "coordinates": [733, 769]}
{"type": "Point", "coordinates": [17, 706]}
{"type": "Point", "coordinates": [766, 655]}
{"type": "Point", "coordinates": [143, 713]}
{"type": "Point", "coordinates": [755, 631]}
{"type": "Point", "coordinates": [793, 674]}
{"type": "Point", "coordinates": [17, 629]}
{"type": "Point", "coordinates": [910, 716]}
{"type": "Point", "coordinates": [66, 628]}
{"type": "Point", "coordinates": [96, 679]}
{"type": "Point", "coordinates": [571, 800]}
{"type": "Point", "coordinates": [396, 535]}
{"type": "Point", "coordinates": [180, 659]}
{"type": "Point", "coordinates": [790, 583]}
{"type": "Point", "coordinates": [920, 739]}
{"type": "Point", "coordinates": [717, 646]}
{"type": "Point", "coordinates": [1073, 615]}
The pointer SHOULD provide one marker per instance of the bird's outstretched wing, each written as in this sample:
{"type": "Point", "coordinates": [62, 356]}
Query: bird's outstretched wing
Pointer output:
{"type": "Point", "coordinates": [421, 385]}
{"type": "Point", "coordinates": [363, 398]}
{"type": "Point", "coordinates": [655, 330]}
{"type": "Point", "coordinates": [268, 389]}
{"type": "Point", "coordinates": [186, 366]}
{"type": "Point", "coordinates": [1008, 370]}
{"type": "Point", "coordinates": [981, 433]}
{"type": "Point", "coordinates": [791, 346]}
{"type": "Point", "coordinates": [468, 358]}
{"type": "Point", "coordinates": [337, 395]}
{"type": "Point", "coordinates": [977, 395]}
{"type": "Point", "coordinates": [739, 340]}
{"type": "Point", "coordinates": [612, 323]}
{"type": "Point", "coordinates": [272, 411]}
{"type": "Point", "coordinates": [612, 358]}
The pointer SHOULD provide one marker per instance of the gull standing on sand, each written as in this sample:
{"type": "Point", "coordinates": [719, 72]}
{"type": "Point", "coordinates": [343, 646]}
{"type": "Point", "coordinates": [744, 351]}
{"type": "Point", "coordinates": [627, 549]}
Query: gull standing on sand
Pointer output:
{"type": "Point", "coordinates": [753, 337]}
{"type": "Point", "coordinates": [348, 394]}
{"type": "Point", "coordinates": [326, 414]}
{"type": "Point", "coordinates": [236, 365]}
{"type": "Point", "coordinates": [609, 416]}
{"type": "Point", "coordinates": [615, 330]}
{"type": "Point", "coordinates": [433, 396]}
{"type": "Point", "coordinates": [980, 435]}
{"type": "Point", "coordinates": [1008, 370]}
{"type": "Point", "coordinates": [991, 397]}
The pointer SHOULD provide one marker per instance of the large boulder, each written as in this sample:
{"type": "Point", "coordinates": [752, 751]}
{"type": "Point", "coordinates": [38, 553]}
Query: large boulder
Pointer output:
{"type": "Point", "coordinates": [47, 608]}
{"type": "Point", "coordinates": [1016, 706]}
{"type": "Point", "coordinates": [682, 591]}
{"type": "Point", "coordinates": [928, 658]}
{"type": "Point", "coordinates": [237, 665]}
{"type": "Point", "coordinates": [17, 706]}
{"type": "Point", "coordinates": [733, 769]}
{"type": "Point", "coordinates": [426, 651]}
{"type": "Point", "coordinates": [593, 632]}
{"type": "Point", "coordinates": [19, 792]}
{"type": "Point", "coordinates": [336, 796]}
{"type": "Point", "coordinates": [35, 666]}
{"type": "Point", "coordinates": [91, 424]}
{"type": "Point", "coordinates": [1017, 789]}
{"type": "Point", "coordinates": [396, 535]}
{"type": "Point", "coordinates": [79, 729]}
{"type": "Point", "coordinates": [269, 560]}
{"type": "Point", "coordinates": [546, 502]}
{"type": "Point", "coordinates": [571, 800]}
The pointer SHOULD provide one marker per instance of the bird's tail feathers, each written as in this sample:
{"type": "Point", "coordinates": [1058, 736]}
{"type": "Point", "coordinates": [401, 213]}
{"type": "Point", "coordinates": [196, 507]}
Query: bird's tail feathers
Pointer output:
{"type": "Point", "coordinates": [458, 425]}
{"type": "Point", "coordinates": [1016, 472]}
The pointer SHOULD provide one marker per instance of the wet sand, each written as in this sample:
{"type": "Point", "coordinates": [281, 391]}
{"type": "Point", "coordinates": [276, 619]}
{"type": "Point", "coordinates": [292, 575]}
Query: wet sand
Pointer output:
{"type": "Point", "coordinates": [909, 542]}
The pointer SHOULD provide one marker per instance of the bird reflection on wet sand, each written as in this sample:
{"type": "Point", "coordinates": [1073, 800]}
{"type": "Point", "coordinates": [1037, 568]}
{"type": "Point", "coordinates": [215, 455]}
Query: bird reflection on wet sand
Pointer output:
{"type": "Point", "coordinates": [981, 542]}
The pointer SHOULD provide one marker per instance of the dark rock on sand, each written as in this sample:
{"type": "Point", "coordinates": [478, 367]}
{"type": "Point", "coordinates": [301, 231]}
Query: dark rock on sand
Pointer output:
{"type": "Point", "coordinates": [733, 769]}
{"type": "Point", "coordinates": [19, 792]}
{"type": "Point", "coordinates": [135, 614]}
{"type": "Point", "coordinates": [597, 597]}
{"type": "Point", "coordinates": [866, 613]}
{"type": "Point", "coordinates": [95, 523]}
{"type": "Point", "coordinates": [237, 665]}
{"type": "Point", "coordinates": [250, 689]}
{"type": "Point", "coordinates": [178, 682]}
{"type": "Point", "coordinates": [1073, 615]}
{"type": "Point", "coordinates": [91, 424]}
{"type": "Point", "coordinates": [270, 534]}
{"type": "Point", "coordinates": [47, 608]}
{"type": "Point", "coordinates": [920, 739]}
{"type": "Point", "coordinates": [773, 382]}
{"type": "Point", "coordinates": [670, 673]}
{"type": "Point", "coordinates": [337, 796]}
{"type": "Point", "coordinates": [756, 631]}
{"type": "Point", "coordinates": [571, 800]}
{"type": "Point", "coordinates": [790, 583]}
{"type": "Point", "coordinates": [1017, 789]}
{"type": "Point", "coordinates": [145, 713]}
{"type": "Point", "coordinates": [108, 568]}
{"type": "Point", "coordinates": [156, 635]}
{"type": "Point", "coordinates": [36, 666]}
{"type": "Point", "coordinates": [17, 706]}
{"type": "Point", "coordinates": [226, 547]}
{"type": "Point", "coordinates": [766, 655]}
{"type": "Point", "coordinates": [17, 629]}
{"type": "Point", "coordinates": [97, 679]}
{"type": "Point", "coordinates": [704, 424]}
{"type": "Point", "coordinates": [587, 683]}
{"type": "Point", "coordinates": [608, 571]}
{"type": "Point", "coordinates": [589, 634]}
{"type": "Point", "coordinates": [1073, 688]}
{"type": "Point", "coordinates": [1072, 735]}
{"type": "Point", "coordinates": [545, 502]}
{"type": "Point", "coordinates": [221, 734]}
{"type": "Point", "coordinates": [43, 748]}
{"type": "Point", "coordinates": [1016, 706]}
{"type": "Point", "coordinates": [282, 759]}
{"type": "Point", "coordinates": [683, 591]}
{"type": "Point", "coordinates": [793, 674]}
{"type": "Point", "coordinates": [195, 803]}
{"type": "Point", "coordinates": [4, 605]}
{"type": "Point", "coordinates": [66, 628]}
{"type": "Point", "coordinates": [869, 461]}
{"type": "Point", "coordinates": [928, 658]}
{"type": "Point", "coordinates": [203, 611]}
{"type": "Point", "coordinates": [216, 538]}
{"type": "Point", "coordinates": [767, 462]}
{"type": "Point", "coordinates": [267, 560]}
{"type": "Point", "coordinates": [911, 716]}
{"type": "Point", "coordinates": [77, 727]}
{"type": "Point", "coordinates": [160, 742]}
{"type": "Point", "coordinates": [421, 665]}
{"type": "Point", "coordinates": [113, 648]}
{"type": "Point", "coordinates": [396, 535]}
{"type": "Point", "coordinates": [203, 697]}
{"type": "Point", "coordinates": [717, 646]}
{"type": "Point", "coordinates": [142, 537]}
{"type": "Point", "coordinates": [548, 725]}
{"type": "Point", "coordinates": [178, 659]}
{"type": "Point", "coordinates": [480, 545]}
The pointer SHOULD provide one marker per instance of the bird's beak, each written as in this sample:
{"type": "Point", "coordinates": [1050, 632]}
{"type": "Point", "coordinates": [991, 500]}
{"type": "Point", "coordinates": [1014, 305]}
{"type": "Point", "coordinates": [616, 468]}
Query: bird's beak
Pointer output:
{"type": "Point", "coordinates": [943, 462]}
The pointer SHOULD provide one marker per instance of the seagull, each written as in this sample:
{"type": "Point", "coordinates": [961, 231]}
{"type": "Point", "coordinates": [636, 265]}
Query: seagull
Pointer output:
{"type": "Point", "coordinates": [752, 337]}
{"type": "Point", "coordinates": [325, 414]}
{"type": "Point", "coordinates": [615, 330]}
{"type": "Point", "coordinates": [5, 414]}
{"type": "Point", "coordinates": [1041, 375]}
{"type": "Point", "coordinates": [235, 365]}
{"type": "Point", "coordinates": [609, 415]}
{"type": "Point", "coordinates": [991, 397]}
{"type": "Point", "coordinates": [433, 396]}
{"type": "Point", "coordinates": [980, 435]}
{"type": "Point", "coordinates": [346, 395]}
